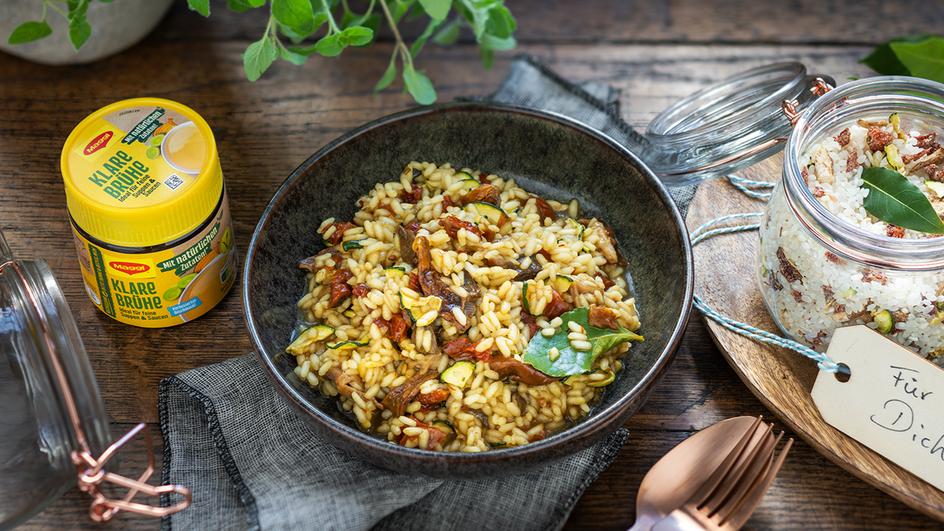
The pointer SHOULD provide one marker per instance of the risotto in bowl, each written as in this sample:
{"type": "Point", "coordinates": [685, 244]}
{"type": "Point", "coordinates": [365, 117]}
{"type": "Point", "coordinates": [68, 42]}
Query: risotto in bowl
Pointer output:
{"type": "Point", "coordinates": [465, 289]}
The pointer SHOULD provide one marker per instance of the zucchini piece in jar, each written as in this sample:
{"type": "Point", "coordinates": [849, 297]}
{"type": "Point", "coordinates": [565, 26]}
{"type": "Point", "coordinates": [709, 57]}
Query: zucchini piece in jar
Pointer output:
{"type": "Point", "coordinates": [492, 213]}
{"type": "Point", "coordinates": [884, 322]}
{"type": "Point", "coordinates": [458, 374]}
{"type": "Point", "coordinates": [309, 337]}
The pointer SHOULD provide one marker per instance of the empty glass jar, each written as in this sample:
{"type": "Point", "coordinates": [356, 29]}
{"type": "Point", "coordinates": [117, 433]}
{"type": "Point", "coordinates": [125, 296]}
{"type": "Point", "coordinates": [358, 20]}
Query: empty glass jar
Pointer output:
{"type": "Point", "coordinates": [53, 428]}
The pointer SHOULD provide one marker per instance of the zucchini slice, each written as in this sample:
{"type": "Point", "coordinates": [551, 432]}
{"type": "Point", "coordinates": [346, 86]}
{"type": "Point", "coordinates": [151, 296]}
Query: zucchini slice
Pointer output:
{"type": "Point", "coordinates": [524, 298]}
{"type": "Point", "coordinates": [422, 311]}
{"type": "Point", "coordinates": [465, 176]}
{"type": "Point", "coordinates": [467, 186]}
{"type": "Point", "coordinates": [562, 283]}
{"type": "Point", "coordinates": [446, 428]}
{"type": "Point", "coordinates": [308, 338]}
{"type": "Point", "coordinates": [395, 271]}
{"type": "Point", "coordinates": [349, 344]}
{"type": "Point", "coordinates": [884, 321]}
{"type": "Point", "coordinates": [571, 222]}
{"type": "Point", "coordinates": [609, 376]}
{"type": "Point", "coordinates": [351, 244]}
{"type": "Point", "coordinates": [492, 213]}
{"type": "Point", "coordinates": [458, 374]}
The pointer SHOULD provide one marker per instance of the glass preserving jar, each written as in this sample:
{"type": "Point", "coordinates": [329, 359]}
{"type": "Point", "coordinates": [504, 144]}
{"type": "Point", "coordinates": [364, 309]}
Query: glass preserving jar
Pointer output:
{"type": "Point", "coordinates": [816, 270]}
{"type": "Point", "coordinates": [53, 428]}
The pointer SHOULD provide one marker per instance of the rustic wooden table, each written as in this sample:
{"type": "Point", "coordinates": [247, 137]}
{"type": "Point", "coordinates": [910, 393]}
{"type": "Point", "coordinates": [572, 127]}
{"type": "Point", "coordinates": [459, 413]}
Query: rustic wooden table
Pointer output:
{"type": "Point", "coordinates": [654, 52]}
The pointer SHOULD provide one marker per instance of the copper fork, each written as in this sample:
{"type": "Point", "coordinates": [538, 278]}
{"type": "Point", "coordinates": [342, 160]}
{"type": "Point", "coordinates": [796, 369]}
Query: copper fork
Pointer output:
{"type": "Point", "coordinates": [728, 498]}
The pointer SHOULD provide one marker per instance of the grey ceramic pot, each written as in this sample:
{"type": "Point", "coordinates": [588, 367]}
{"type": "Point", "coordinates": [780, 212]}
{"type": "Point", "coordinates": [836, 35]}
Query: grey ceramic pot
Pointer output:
{"type": "Point", "coordinates": [547, 154]}
{"type": "Point", "coordinates": [115, 26]}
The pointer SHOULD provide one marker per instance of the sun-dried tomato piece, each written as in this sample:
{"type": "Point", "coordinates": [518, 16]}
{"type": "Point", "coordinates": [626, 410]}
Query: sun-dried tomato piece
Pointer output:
{"type": "Point", "coordinates": [544, 208]}
{"type": "Point", "coordinates": [340, 289]}
{"type": "Point", "coordinates": [787, 267]}
{"type": "Point", "coordinates": [413, 196]}
{"type": "Point", "coordinates": [339, 292]}
{"type": "Point", "coordinates": [894, 231]}
{"type": "Point", "coordinates": [414, 281]}
{"type": "Point", "coordinates": [434, 397]}
{"type": "Point", "coordinates": [452, 225]}
{"type": "Point", "coordinates": [928, 141]}
{"type": "Point", "coordinates": [556, 306]}
{"type": "Point", "coordinates": [398, 328]}
{"type": "Point", "coordinates": [873, 275]}
{"type": "Point", "coordinates": [834, 259]}
{"type": "Point", "coordinates": [601, 317]}
{"type": "Point", "coordinates": [530, 322]}
{"type": "Point", "coordinates": [852, 161]}
{"type": "Point", "coordinates": [360, 290]}
{"type": "Point", "coordinates": [877, 138]}
{"type": "Point", "coordinates": [843, 137]}
{"type": "Point", "coordinates": [447, 202]}
{"type": "Point", "coordinates": [484, 193]}
{"type": "Point", "coordinates": [340, 227]}
{"type": "Point", "coordinates": [462, 348]}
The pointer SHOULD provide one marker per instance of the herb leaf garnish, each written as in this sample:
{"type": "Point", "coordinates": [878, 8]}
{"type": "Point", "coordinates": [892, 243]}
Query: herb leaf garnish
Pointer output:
{"type": "Point", "coordinates": [894, 199]}
{"type": "Point", "coordinates": [571, 361]}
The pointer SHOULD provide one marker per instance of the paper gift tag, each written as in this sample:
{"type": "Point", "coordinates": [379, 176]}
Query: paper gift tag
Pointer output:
{"type": "Point", "coordinates": [893, 401]}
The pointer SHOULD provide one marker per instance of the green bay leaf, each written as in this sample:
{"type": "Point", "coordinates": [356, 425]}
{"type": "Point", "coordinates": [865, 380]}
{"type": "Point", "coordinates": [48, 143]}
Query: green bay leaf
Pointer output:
{"type": "Point", "coordinates": [923, 58]}
{"type": "Point", "coordinates": [894, 199]}
{"type": "Point", "coordinates": [570, 361]}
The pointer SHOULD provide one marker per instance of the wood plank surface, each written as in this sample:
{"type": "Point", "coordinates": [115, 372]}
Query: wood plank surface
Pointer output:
{"type": "Point", "coordinates": [654, 52]}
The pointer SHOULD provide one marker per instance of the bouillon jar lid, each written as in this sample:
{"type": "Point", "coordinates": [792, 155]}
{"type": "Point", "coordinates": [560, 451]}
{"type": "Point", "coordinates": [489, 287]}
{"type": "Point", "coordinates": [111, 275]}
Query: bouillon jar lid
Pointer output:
{"type": "Point", "coordinates": [731, 124]}
{"type": "Point", "coordinates": [141, 172]}
{"type": "Point", "coordinates": [53, 427]}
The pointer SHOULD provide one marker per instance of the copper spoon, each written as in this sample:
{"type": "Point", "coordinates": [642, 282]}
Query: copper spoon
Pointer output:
{"type": "Point", "coordinates": [672, 481]}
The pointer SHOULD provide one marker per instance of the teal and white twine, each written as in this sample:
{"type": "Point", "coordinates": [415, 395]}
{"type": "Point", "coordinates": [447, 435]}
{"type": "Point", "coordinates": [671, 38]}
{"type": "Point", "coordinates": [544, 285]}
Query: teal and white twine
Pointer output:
{"type": "Point", "coordinates": [720, 226]}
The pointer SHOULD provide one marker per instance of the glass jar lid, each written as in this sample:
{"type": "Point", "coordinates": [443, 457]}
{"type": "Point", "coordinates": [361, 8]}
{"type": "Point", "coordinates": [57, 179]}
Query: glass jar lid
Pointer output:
{"type": "Point", "coordinates": [53, 421]}
{"type": "Point", "coordinates": [730, 125]}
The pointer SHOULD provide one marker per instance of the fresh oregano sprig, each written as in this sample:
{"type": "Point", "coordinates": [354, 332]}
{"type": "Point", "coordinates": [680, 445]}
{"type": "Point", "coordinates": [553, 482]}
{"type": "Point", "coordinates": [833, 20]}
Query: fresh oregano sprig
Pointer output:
{"type": "Point", "coordinates": [73, 11]}
{"type": "Point", "coordinates": [298, 29]}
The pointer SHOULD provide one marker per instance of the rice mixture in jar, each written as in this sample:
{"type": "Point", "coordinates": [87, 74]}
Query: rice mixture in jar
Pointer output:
{"type": "Point", "coordinates": [827, 262]}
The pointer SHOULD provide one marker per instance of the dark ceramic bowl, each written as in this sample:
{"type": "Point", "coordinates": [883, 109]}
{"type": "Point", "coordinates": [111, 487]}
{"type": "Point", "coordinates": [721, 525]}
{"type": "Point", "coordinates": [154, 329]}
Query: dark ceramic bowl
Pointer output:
{"type": "Point", "coordinates": [550, 155]}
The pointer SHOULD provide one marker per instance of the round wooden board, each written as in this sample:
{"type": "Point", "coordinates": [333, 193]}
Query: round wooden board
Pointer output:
{"type": "Point", "coordinates": [781, 379]}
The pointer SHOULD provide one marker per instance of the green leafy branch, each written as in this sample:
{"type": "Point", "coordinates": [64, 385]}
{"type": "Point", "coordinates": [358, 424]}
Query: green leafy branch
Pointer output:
{"type": "Point", "coordinates": [298, 29]}
{"type": "Point", "coordinates": [74, 11]}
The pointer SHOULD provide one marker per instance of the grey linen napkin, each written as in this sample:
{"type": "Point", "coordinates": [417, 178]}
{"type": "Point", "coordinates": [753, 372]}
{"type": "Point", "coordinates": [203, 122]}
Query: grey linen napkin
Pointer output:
{"type": "Point", "coordinates": [253, 463]}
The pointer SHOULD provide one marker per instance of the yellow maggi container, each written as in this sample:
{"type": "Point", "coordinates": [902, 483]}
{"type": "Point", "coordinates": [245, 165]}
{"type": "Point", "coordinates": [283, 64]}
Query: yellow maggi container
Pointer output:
{"type": "Point", "coordinates": [149, 212]}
